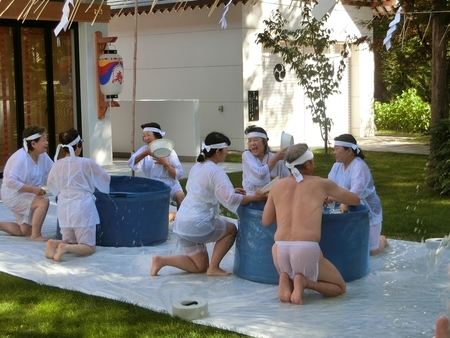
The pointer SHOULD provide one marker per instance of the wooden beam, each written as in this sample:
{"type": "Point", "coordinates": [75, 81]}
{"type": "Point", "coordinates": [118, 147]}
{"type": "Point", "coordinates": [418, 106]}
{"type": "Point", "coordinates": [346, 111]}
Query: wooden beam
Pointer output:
{"type": "Point", "coordinates": [14, 9]}
{"type": "Point", "coordinates": [369, 3]}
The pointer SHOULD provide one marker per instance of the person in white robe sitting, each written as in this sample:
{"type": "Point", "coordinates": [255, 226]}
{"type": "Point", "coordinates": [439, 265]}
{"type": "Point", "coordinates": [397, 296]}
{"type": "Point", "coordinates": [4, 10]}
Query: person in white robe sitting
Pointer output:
{"type": "Point", "coordinates": [198, 221]}
{"type": "Point", "coordinates": [259, 165]}
{"type": "Point", "coordinates": [24, 175]}
{"type": "Point", "coordinates": [352, 173]}
{"type": "Point", "coordinates": [168, 169]}
{"type": "Point", "coordinates": [73, 179]}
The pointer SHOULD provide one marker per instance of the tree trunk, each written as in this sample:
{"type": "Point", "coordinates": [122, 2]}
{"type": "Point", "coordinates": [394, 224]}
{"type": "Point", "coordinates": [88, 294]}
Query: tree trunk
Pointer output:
{"type": "Point", "coordinates": [439, 65]}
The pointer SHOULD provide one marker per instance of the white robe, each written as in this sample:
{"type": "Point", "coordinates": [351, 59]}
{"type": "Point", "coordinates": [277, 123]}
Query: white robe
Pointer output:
{"type": "Point", "coordinates": [20, 169]}
{"type": "Point", "coordinates": [74, 179]}
{"type": "Point", "coordinates": [157, 171]}
{"type": "Point", "coordinates": [255, 173]}
{"type": "Point", "coordinates": [358, 179]}
{"type": "Point", "coordinates": [207, 187]}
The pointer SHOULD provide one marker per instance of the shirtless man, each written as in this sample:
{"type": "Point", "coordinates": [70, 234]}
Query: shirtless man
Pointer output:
{"type": "Point", "coordinates": [296, 252]}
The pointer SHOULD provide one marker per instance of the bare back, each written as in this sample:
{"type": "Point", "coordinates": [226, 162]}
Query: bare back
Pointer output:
{"type": "Point", "coordinates": [297, 207]}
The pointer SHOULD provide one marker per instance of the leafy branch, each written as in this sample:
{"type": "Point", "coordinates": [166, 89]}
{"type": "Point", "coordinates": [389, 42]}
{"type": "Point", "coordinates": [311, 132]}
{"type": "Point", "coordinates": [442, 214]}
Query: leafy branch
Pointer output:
{"type": "Point", "coordinates": [306, 50]}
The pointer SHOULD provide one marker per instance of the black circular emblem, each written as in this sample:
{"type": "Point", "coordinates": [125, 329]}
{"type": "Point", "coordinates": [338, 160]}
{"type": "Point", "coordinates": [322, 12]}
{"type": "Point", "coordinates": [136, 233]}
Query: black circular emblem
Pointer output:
{"type": "Point", "coordinates": [279, 72]}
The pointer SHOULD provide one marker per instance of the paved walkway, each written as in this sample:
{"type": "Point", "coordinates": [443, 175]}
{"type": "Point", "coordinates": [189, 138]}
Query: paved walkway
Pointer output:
{"type": "Point", "coordinates": [395, 144]}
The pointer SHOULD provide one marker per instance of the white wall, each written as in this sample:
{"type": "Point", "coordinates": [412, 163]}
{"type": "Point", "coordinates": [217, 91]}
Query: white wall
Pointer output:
{"type": "Point", "coordinates": [187, 55]}
{"type": "Point", "coordinates": [179, 119]}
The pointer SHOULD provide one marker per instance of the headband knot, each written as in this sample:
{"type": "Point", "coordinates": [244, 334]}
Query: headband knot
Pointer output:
{"type": "Point", "coordinates": [307, 155]}
{"type": "Point", "coordinates": [70, 146]}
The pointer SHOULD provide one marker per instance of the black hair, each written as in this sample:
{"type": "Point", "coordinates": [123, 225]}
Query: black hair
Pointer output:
{"type": "Point", "coordinates": [68, 136]}
{"type": "Point", "coordinates": [152, 125]}
{"type": "Point", "coordinates": [257, 129]}
{"type": "Point", "coordinates": [31, 130]}
{"type": "Point", "coordinates": [350, 139]}
{"type": "Point", "coordinates": [212, 138]}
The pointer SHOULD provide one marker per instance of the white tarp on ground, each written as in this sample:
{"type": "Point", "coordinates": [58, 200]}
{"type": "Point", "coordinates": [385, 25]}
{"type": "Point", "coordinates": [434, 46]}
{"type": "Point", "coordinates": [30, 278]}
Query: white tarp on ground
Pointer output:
{"type": "Point", "coordinates": [396, 299]}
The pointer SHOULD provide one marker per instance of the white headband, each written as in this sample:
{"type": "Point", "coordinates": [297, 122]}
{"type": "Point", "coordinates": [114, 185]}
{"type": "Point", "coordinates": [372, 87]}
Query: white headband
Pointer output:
{"type": "Point", "coordinates": [348, 144]}
{"type": "Point", "coordinates": [30, 138]}
{"type": "Point", "coordinates": [308, 155]}
{"type": "Point", "coordinates": [214, 146]}
{"type": "Point", "coordinates": [155, 130]}
{"type": "Point", "coordinates": [257, 134]}
{"type": "Point", "coordinates": [70, 146]}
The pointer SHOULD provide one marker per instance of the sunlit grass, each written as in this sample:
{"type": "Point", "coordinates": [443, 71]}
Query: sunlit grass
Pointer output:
{"type": "Point", "coordinates": [28, 309]}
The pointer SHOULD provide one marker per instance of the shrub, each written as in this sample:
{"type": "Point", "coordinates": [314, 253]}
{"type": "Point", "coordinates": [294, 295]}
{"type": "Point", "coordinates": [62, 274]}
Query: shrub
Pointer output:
{"type": "Point", "coordinates": [408, 113]}
{"type": "Point", "coordinates": [439, 159]}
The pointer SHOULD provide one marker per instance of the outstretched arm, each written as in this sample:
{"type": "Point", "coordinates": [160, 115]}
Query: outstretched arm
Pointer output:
{"type": "Point", "coordinates": [269, 214]}
{"type": "Point", "coordinates": [340, 194]}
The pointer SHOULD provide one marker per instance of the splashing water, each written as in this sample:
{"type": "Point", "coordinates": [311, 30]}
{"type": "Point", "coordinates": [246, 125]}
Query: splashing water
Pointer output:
{"type": "Point", "coordinates": [434, 258]}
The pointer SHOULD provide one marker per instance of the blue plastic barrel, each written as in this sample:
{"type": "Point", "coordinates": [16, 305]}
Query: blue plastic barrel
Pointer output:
{"type": "Point", "coordinates": [253, 249]}
{"type": "Point", "coordinates": [134, 213]}
{"type": "Point", "coordinates": [345, 242]}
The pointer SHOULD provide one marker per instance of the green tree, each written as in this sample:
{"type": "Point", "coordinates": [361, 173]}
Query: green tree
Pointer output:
{"type": "Point", "coordinates": [305, 49]}
{"type": "Point", "coordinates": [419, 55]}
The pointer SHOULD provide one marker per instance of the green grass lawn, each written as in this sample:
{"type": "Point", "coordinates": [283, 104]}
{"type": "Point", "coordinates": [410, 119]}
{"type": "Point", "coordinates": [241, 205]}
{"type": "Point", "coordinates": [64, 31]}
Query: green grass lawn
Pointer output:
{"type": "Point", "coordinates": [411, 212]}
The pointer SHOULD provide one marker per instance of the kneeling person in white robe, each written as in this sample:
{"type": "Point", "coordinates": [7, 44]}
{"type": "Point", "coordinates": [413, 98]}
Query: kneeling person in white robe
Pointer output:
{"type": "Point", "coordinates": [74, 179]}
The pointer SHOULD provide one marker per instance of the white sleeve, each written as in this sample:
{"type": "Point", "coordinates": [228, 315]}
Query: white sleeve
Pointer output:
{"type": "Point", "coordinates": [175, 162]}
{"type": "Point", "coordinates": [100, 177]}
{"type": "Point", "coordinates": [361, 179]}
{"type": "Point", "coordinates": [145, 165]}
{"type": "Point", "coordinates": [52, 181]}
{"type": "Point", "coordinates": [281, 170]}
{"type": "Point", "coordinates": [14, 179]}
{"type": "Point", "coordinates": [256, 173]}
{"type": "Point", "coordinates": [332, 173]}
{"type": "Point", "coordinates": [224, 191]}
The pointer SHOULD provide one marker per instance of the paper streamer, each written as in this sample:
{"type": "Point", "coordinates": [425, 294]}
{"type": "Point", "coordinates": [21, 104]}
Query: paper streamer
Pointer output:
{"type": "Point", "coordinates": [223, 20]}
{"type": "Point", "coordinates": [392, 28]}
{"type": "Point", "coordinates": [65, 17]}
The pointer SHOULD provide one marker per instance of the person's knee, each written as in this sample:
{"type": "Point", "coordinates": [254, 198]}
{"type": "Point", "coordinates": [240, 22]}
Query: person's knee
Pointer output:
{"type": "Point", "coordinates": [178, 198]}
{"type": "Point", "coordinates": [41, 202]}
{"type": "Point", "coordinates": [231, 229]}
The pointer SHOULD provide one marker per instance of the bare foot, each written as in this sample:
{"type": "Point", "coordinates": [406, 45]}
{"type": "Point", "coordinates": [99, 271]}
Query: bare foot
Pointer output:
{"type": "Point", "coordinates": [442, 328]}
{"type": "Point", "coordinates": [172, 215]}
{"type": "Point", "coordinates": [50, 249]}
{"type": "Point", "coordinates": [299, 286]}
{"type": "Point", "coordinates": [383, 244]}
{"type": "Point", "coordinates": [284, 288]}
{"type": "Point", "coordinates": [157, 264]}
{"type": "Point", "coordinates": [39, 239]}
{"type": "Point", "coordinates": [384, 239]}
{"type": "Point", "coordinates": [212, 271]}
{"type": "Point", "coordinates": [62, 249]}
